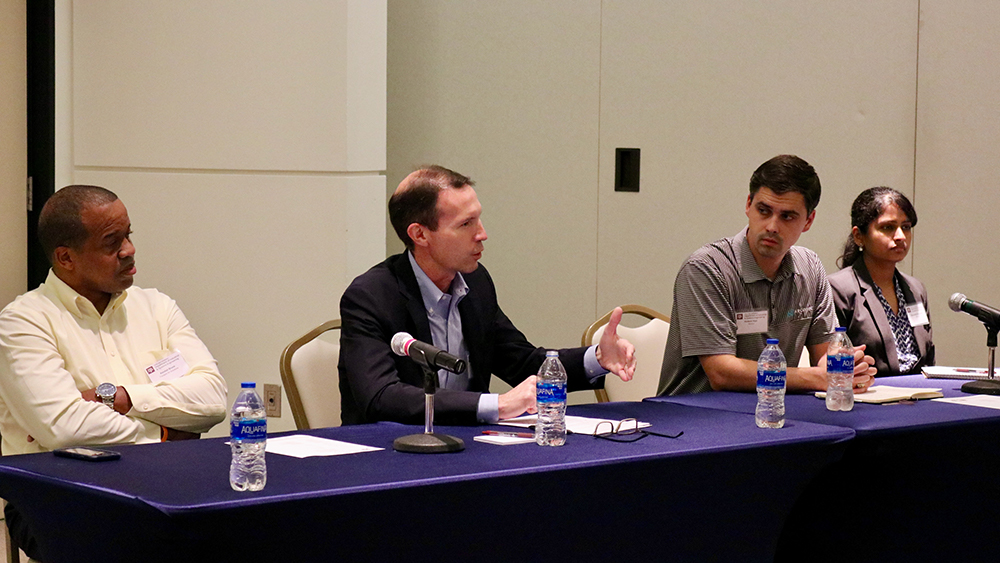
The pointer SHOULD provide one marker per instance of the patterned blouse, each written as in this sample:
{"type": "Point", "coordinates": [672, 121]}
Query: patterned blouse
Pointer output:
{"type": "Point", "coordinates": [906, 343]}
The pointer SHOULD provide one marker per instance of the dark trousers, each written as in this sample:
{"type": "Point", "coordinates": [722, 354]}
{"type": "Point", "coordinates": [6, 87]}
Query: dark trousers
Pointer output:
{"type": "Point", "coordinates": [20, 533]}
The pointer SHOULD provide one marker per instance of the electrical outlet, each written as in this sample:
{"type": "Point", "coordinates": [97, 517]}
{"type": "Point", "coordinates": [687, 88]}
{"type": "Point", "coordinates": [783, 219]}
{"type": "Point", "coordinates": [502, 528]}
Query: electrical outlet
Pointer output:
{"type": "Point", "coordinates": [272, 400]}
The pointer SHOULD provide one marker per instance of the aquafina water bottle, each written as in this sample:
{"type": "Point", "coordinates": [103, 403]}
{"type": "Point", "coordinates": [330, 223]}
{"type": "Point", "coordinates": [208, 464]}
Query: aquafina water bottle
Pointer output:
{"type": "Point", "coordinates": [840, 372]}
{"type": "Point", "coordinates": [247, 439]}
{"type": "Point", "coordinates": [550, 397]}
{"type": "Point", "coordinates": [771, 373]}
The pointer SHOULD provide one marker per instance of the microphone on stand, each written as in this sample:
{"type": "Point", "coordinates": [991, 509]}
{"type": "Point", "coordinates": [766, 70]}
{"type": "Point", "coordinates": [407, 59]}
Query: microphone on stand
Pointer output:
{"type": "Point", "coordinates": [990, 317]}
{"type": "Point", "coordinates": [430, 359]}
{"type": "Point", "coordinates": [424, 354]}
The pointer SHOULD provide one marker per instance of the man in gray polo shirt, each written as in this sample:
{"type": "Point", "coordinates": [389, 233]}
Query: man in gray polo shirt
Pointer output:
{"type": "Point", "coordinates": [731, 295]}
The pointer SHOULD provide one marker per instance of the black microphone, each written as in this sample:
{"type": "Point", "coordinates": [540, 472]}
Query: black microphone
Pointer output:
{"type": "Point", "coordinates": [988, 315]}
{"type": "Point", "coordinates": [426, 355]}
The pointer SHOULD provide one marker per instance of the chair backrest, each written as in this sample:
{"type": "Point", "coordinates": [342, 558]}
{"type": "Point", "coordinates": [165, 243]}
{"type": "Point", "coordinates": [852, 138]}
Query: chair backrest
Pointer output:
{"type": "Point", "coordinates": [650, 341]}
{"type": "Point", "coordinates": [309, 373]}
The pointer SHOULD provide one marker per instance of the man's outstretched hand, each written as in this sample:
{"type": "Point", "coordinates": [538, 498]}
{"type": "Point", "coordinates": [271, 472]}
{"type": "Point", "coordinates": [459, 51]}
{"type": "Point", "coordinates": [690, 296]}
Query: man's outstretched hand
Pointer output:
{"type": "Point", "coordinates": [615, 354]}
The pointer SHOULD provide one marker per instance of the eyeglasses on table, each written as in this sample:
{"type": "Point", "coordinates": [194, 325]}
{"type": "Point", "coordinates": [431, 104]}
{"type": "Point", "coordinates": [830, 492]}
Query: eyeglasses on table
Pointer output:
{"type": "Point", "coordinates": [626, 430]}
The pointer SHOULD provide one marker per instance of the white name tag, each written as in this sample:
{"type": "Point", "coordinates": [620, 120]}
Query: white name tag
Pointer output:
{"type": "Point", "coordinates": [171, 367]}
{"type": "Point", "coordinates": [917, 314]}
{"type": "Point", "coordinates": [751, 322]}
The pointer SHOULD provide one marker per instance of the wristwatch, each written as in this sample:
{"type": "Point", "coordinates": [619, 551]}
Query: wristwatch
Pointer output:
{"type": "Point", "coordinates": [106, 393]}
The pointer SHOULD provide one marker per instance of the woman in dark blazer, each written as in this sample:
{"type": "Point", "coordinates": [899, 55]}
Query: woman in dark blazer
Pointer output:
{"type": "Point", "coordinates": [879, 305]}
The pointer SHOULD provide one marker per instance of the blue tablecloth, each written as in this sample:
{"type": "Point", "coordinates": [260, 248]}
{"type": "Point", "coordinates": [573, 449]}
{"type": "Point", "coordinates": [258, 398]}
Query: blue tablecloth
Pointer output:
{"type": "Point", "coordinates": [865, 419]}
{"type": "Point", "coordinates": [721, 492]}
{"type": "Point", "coordinates": [916, 484]}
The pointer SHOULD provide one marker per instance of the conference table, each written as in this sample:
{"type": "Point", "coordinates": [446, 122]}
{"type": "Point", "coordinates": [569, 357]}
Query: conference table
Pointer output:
{"type": "Point", "coordinates": [723, 491]}
{"type": "Point", "coordinates": [917, 483]}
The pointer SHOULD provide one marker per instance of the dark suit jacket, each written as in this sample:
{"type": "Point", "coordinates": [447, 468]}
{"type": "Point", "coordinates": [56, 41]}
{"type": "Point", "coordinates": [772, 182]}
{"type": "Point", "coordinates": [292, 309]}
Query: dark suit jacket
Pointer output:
{"type": "Point", "coordinates": [859, 310]}
{"type": "Point", "coordinates": [376, 384]}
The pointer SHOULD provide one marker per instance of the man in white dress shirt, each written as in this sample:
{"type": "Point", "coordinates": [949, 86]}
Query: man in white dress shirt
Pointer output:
{"type": "Point", "coordinates": [88, 359]}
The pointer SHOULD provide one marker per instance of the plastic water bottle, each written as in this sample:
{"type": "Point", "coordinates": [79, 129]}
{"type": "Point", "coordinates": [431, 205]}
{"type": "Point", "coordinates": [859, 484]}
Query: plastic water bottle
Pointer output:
{"type": "Point", "coordinates": [771, 373]}
{"type": "Point", "coordinates": [247, 438]}
{"type": "Point", "coordinates": [840, 372]}
{"type": "Point", "coordinates": [550, 395]}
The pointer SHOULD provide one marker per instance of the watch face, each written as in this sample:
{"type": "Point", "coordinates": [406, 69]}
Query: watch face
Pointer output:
{"type": "Point", "coordinates": [106, 390]}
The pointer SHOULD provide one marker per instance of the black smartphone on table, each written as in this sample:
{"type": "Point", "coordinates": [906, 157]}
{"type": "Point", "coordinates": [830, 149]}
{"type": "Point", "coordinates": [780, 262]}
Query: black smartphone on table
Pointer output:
{"type": "Point", "coordinates": [87, 454]}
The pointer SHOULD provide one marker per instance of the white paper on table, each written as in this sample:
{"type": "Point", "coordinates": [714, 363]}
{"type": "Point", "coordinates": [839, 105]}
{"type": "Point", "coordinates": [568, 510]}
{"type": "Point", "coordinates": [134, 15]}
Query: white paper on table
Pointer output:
{"type": "Point", "coordinates": [988, 401]}
{"type": "Point", "coordinates": [504, 440]}
{"type": "Point", "coordinates": [301, 445]}
{"type": "Point", "coordinates": [575, 424]}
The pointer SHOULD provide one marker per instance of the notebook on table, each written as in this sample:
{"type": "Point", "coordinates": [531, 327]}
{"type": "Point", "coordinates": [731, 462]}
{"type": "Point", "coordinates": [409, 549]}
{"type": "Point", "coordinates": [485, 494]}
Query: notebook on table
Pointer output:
{"type": "Point", "coordinates": [888, 394]}
{"type": "Point", "coordinates": [946, 372]}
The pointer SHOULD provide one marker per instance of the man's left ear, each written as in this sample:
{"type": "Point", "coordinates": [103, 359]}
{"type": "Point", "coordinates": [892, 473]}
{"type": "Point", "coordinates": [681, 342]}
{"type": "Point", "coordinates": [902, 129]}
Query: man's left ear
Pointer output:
{"type": "Point", "coordinates": [63, 257]}
{"type": "Point", "coordinates": [809, 220]}
{"type": "Point", "coordinates": [417, 233]}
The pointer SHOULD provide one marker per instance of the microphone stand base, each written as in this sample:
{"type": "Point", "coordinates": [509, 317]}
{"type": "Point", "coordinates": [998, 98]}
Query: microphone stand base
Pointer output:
{"type": "Point", "coordinates": [982, 387]}
{"type": "Point", "coordinates": [432, 443]}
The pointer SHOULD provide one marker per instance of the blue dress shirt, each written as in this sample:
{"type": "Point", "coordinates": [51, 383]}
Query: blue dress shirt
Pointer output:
{"type": "Point", "coordinates": [446, 331]}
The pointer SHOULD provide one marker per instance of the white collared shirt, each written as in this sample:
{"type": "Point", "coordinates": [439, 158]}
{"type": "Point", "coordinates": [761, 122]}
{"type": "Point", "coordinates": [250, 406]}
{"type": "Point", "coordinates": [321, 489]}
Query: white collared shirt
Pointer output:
{"type": "Point", "coordinates": [54, 344]}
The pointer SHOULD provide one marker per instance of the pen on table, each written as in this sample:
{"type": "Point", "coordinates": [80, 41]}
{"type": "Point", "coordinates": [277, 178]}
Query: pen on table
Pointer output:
{"type": "Point", "coordinates": [509, 434]}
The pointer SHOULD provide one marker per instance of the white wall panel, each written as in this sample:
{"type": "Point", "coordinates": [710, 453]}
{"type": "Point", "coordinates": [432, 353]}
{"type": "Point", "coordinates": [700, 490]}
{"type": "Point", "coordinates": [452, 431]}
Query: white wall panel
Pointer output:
{"type": "Point", "coordinates": [13, 151]}
{"type": "Point", "coordinates": [365, 85]}
{"type": "Point", "coordinates": [958, 166]}
{"type": "Point", "coordinates": [227, 84]}
{"type": "Point", "coordinates": [710, 90]}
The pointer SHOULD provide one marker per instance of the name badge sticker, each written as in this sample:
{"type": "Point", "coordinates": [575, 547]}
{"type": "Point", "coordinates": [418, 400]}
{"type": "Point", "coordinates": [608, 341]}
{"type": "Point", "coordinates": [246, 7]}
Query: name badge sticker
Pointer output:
{"type": "Point", "coordinates": [751, 322]}
{"type": "Point", "coordinates": [171, 367]}
{"type": "Point", "coordinates": [917, 314]}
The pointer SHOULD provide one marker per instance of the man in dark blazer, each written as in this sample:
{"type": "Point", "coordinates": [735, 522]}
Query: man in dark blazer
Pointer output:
{"type": "Point", "coordinates": [859, 310]}
{"type": "Point", "coordinates": [439, 293]}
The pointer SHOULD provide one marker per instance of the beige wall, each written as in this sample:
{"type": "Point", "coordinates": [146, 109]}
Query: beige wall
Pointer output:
{"type": "Point", "coordinates": [958, 169]}
{"type": "Point", "coordinates": [248, 142]}
{"type": "Point", "coordinates": [709, 92]}
{"type": "Point", "coordinates": [510, 92]}
{"type": "Point", "coordinates": [13, 151]}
